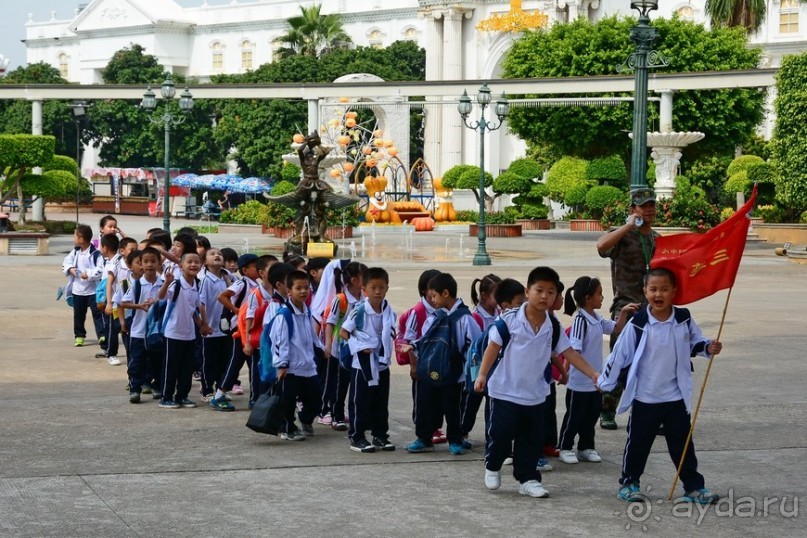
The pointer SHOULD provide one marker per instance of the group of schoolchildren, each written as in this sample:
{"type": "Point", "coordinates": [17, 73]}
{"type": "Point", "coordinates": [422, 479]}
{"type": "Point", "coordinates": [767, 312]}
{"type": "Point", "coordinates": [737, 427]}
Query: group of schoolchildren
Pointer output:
{"type": "Point", "coordinates": [322, 334]}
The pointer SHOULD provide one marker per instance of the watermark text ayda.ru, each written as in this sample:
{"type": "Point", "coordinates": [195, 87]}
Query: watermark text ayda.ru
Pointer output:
{"type": "Point", "coordinates": [741, 507]}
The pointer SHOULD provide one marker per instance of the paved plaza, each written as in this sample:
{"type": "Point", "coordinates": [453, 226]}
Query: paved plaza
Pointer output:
{"type": "Point", "coordinates": [77, 459]}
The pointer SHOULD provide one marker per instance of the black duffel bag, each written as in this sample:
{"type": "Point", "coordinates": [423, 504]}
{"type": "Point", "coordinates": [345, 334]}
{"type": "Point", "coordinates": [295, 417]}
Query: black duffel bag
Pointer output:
{"type": "Point", "coordinates": [267, 413]}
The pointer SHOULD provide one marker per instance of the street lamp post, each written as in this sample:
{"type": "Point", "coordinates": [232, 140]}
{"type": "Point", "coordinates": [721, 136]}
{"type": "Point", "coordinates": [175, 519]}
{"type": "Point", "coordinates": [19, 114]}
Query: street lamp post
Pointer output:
{"type": "Point", "coordinates": [482, 125]}
{"type": "Point", "coordinates": [644, 58]}
{"type": "Point", "coordinates": [149, 104]}
{"type": "Point", "coordinates": [79, 115]}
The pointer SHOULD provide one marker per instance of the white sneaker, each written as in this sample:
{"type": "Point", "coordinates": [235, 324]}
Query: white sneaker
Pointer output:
{"type": "Point", "coordinates": [589, 455]}
{"type": "Point", "coordinates": [493, 479]}
{"type": "Point", "coordinates": [508, 461]}
{"type": "Point", "coordinates": [567, 456]}
{"type": "Point", "coordinates": [533, 488]}
{"type": "Point", "coordinates": [113, 361]}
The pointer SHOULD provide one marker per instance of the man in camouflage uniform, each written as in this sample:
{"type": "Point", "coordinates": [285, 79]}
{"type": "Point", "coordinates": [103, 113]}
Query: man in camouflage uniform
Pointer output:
{"type": "Point", "coordinates": [630, 248]}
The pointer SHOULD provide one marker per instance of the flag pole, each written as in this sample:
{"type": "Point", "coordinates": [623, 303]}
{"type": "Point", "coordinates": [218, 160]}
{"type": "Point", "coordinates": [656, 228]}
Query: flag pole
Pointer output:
{"type": "Point", "coordinates": [700, 399]}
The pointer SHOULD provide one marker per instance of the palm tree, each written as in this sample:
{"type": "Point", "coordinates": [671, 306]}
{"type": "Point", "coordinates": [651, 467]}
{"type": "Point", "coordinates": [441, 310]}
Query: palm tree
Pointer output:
{"type": "Point", "coordinates": [748, 14]}
{"type": "Point", "coordinates": [313, 34]}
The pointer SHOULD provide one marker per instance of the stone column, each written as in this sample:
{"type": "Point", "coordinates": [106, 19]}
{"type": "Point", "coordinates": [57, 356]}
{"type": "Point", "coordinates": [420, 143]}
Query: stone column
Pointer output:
{"type": "Point", "coordinates": [38, 208]}
{"type": "Point", "coordinates": [665, 112]}
{"type": "Point", "coordinates": [434, 69]}
{"type": "Point", "coordinates": [313, 116]}
{"type": "Point", "coordinates": [452, 70]}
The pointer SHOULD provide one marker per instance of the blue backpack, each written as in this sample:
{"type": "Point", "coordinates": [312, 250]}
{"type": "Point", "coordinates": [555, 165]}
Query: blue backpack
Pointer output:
{"type": "Point", "coordinates": [267, 370]}
{"type": "Point", "coordinates": [157, 317]}
{"type": "Point", "coordinates": [439, 360]}
{"type": "Point", "coordinates": [476, 352]}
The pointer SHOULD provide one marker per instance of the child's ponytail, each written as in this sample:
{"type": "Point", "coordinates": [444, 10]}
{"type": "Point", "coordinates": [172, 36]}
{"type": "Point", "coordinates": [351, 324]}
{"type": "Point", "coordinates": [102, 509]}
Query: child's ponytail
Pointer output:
{"type": "Point", "coordinates": [474, 294]}
{"type": "Point", "coordinates": [583, 287]}
{"type": "Point", "coordinates": [568, 302]}
{"type": "Point", "coordinates": [487, 285]}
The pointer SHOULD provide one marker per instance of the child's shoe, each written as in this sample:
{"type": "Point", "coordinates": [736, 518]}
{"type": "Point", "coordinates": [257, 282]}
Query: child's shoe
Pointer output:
{"type": "Point", "coordinates": [493, 479]}
{"type": "Point", "coordinates": [438, 437]}
{"type": "Point", "coordinates": [326, 420]}
{"type": "Point", "coordinates": [590, 455]}
{"type": "Point", "coordinates": [533, 488]}
{"type": "Point", "coordinates": [186, 403]}
{"type": "Point", "coordinates": [207, 397]}
{"type": "Point", "coordinates": [551, 452]}
{"type": "Point", "coordinates": [79, 342]}
{"type": "Point", "coordinates": [339, 426]}
{"type": "Point", "coordinates": [467, 444]}
{"type": "Point", "coordinates": [362, 446]}
{"type": "Point", "coordinates": [237, 390]}
{"type": "Point", "coordinates": [383, 443]}
{"type": "Point", "coordinates": [699, 496]}
{"type": "Point", "coordinates": [456, 449]}
{"type": "Point", "coordinates": [113, 361]}
{"type": "Point", "coordinates": [567, 456]}
{"type": "Point", "coordinates": [169, 404]}
{"type": "Point", "coordinates": [631, 493]}
{"type": "Point", "coordinates": [221, 404]}
{"type": "Point", "coordinates": [508, 460]}
{"type": "Point", "coordinates": [134, 397]}
{"type": "Point", "coordinates": [146, 389]}
{"type": "Point", "coordinates": [543, 465]}
{"type": "Point", "coordinates": [295, 435]}
{"type": "Point", "coordinates": [607, 421]}
{"type": "Point", "coordinates": [102, 342]}
{"type": "Point", "coordinates": [418, 445]}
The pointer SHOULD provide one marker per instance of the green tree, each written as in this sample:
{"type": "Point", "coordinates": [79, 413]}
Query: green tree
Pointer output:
{"type": "Point", "coordinates": [790, 135]}
{"type": "Point", "coordinates": [18, 155]}
{"type": "Point", "coordinates": [583, 48]}
{"type": "Point", "coordinates": [311, 33]}
{"type": "Point", "coordinates": [127, 137]}
{"type": "Point", "coordinates": [746, 14]}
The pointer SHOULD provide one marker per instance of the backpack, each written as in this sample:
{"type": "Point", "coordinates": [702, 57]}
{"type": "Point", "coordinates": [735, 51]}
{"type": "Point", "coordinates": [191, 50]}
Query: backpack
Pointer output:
{"type": "Point", "coordinates": [420, 313]}
{"type": "Point", "coordinates": [439, 361]}
{"type": "Point", "coordinates": [265, 367]}
{"type": "Point", "coordinates": [555, 338]}
{"type": "Point", "coordinates": [345, 356]}
{"type": "Point", "coordinates": [254, 336]}
{"type": "Point", "coordinates": [157, 317]}
{"type": "Point", "coordinates": [476, 352]}
{"type": "Point", "coordinates": [100, 288]}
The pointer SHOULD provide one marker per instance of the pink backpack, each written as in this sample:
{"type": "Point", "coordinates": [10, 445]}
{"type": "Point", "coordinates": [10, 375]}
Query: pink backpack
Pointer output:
{"type": "Point", "coordinates": [555, 371]}
{"type": "Point", "coordinates": [420, 313]}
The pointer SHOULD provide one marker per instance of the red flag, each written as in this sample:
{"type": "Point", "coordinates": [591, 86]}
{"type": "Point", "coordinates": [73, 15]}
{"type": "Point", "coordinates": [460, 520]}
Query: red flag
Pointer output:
{"type": "Point", "coordinates": [705, 263]}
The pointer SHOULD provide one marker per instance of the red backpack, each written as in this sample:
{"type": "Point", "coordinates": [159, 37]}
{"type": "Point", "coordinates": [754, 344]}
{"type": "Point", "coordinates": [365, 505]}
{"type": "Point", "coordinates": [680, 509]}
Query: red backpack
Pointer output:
{"type": "Point", "coordinates": [420, 313]}
{"type": "Point", "coordinates": [254, 336]}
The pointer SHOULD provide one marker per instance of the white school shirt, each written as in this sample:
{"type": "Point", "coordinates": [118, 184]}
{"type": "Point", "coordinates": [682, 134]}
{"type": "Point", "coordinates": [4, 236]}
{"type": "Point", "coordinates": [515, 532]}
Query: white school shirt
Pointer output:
{"type": "Point", "coordinates": [84, 260]}
{"type": "Point", "coordinates": [519, 376]}
{"type": "Point", "coordinates": [180, 324]}
{"type": "Point", "coordinates": [487, 319]}
{"type": "Point", "coordinates": [374, 328]}
{"type": "Point", "coordinates": [212, 287]}
{"type": "Point", "coordinates": [586, 338]}
{"type": "Point", "coordinates": [238, 285]}
{"type": "Point", "coordinates": [271, 309]}
{"type": "Point", "coordinates": [656, 376]}
{"type": "Point", "coordinates": [252, 301]}
{"type": "Point", "coordinates": [297, 353]}
{"type": "Point", "coordinates": [411, 333]}
{"type": "Point", "coordinates": [147, 291]}
{"type": "Point", "coordinates": [112, 267]}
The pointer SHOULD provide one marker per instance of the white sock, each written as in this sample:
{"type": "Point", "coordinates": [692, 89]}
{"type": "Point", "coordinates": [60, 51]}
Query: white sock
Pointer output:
{"type": "Point", "coordinates": [219, 394]}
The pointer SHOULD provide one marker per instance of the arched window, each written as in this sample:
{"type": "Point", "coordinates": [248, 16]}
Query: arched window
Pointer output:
{"type": "Point", "coordinates": [685, 13]}
{"type": "Point", "coordinates": [788, 17]}
{"type": "Point", "coordinates": [63, 66]}
{"type": "Point", "coordinates": [410, 34]}
{"type": "Point", "coordinates": [217, 56]}
{"type": "Point", "coordinates": [376, 39]}
{"type": "Point", "coordinates": [247, 48]}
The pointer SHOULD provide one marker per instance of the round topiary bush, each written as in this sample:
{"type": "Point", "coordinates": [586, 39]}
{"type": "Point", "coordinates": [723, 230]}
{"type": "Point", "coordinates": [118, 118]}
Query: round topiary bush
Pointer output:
{"type": "Point", "coordinates": [564, 176]}
{"type": "Point", "coordinates": [526, 168]}
{"type": "Point", "coordinates": [511, 183]}
{"type": "Point", "coordinates": [290, 173]}
{"type": "Point", "coordinates": [600, 197]}
{"type": "Point", "coordinates": [739, 182]}
{"type": "Point", "coordinates": [741, 164]}
{"type": "Point", "coordinates": [609, 170]}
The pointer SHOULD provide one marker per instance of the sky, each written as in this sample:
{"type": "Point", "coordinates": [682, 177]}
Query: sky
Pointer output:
{"type": "Point", "coordinates": [15, 15]}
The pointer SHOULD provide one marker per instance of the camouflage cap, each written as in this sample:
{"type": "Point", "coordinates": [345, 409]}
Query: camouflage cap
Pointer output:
{"type": "Point", "coordinates": [642, 195]}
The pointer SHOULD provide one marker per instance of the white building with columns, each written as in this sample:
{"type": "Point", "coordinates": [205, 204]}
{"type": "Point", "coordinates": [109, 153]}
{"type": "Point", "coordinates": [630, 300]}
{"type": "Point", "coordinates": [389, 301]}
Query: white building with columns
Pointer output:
{"type": "Point", "coordinates": [236, 37]}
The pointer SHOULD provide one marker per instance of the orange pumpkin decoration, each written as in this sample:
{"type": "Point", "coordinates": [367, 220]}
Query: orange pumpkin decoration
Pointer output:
{"type": "Point", "coordinates": [335, 173]}
{"type": "Point", "coordinates": [352, 114]}
{"type": "Point", "coordinates": [371, 163]}
{"type": "Point", "coordinates": [388, 143]}
{"type": "Point", "coordinates": [298, 138]}
{"type": "Point", "coordinates": [445, 212]}
{"type": "Point", "coordinates": [378, 142]}
{"type": "Point", "coordinates": [350, 123]}
{"type": "Point", "coordinates": [348, 166]}
{"type": "Point", "coordinates": [378, 133]}
{"type": "Point", "coordinates": [393, 151]}
{"type": "Point", "coordinates": [344, 99]}
{"type": "Point", "coordinates": [423, 224]}
{"type": "Point", "coordinates": [366, 150]}
{"type": "Point", "coordinates": [343, 140]}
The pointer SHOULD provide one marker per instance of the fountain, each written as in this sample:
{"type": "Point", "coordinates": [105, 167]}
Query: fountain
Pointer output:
{"type": "Point", "coordinates": [313, 195]}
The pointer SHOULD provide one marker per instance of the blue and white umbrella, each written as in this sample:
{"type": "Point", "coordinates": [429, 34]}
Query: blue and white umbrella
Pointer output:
{"type": "Point", "coordinates": [184, 180]}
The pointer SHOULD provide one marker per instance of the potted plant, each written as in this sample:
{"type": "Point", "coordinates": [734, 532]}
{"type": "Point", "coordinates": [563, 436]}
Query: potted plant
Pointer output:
{"type": "Point", "coordinates": [498, 224]}
{"type": "Point", "coordinates": [597, 200]}
{"type": "Point", "coordinates": [568, 185]}
{"type": "Point", "coordinates": [528, 205]}
{"type": "Point", "coordinates": [466, 176]}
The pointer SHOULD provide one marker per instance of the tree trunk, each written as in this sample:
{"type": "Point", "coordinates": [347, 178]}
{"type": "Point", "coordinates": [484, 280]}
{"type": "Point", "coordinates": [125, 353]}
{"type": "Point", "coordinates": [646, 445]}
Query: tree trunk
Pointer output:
{"type": "Point", "coordinates": [20, 203]}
